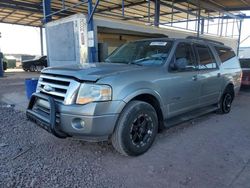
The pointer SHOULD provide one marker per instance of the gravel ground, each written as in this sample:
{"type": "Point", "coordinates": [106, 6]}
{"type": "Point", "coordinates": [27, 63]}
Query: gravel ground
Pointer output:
{"type": "Point", "coordinates": [210, 151]}
{"type": "Point", "coordinates": [30, 157]}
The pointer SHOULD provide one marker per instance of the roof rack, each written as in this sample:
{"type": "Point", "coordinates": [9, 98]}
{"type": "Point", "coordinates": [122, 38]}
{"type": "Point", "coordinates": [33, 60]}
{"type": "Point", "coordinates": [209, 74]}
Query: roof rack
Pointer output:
{"type": "Point", "coordinates": [203, 39]}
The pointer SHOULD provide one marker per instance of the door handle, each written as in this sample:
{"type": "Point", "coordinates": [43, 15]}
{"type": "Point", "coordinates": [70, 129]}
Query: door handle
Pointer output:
{"type": "Point", "coordinates": [218, 75]}
{"type": "Point", "coordinates": [195, 77]}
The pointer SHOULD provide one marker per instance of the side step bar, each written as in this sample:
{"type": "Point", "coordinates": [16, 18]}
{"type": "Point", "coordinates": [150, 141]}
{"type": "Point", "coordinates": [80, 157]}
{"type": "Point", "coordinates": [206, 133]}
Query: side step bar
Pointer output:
{"type": "Point", "coordinates": [188, 116]}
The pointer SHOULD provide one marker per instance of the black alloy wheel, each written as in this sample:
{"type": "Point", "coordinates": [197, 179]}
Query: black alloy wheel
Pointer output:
{"type": "Point", "coordinates": [141, 130]}
{"type": "Point", "coordinates": [227, 102]}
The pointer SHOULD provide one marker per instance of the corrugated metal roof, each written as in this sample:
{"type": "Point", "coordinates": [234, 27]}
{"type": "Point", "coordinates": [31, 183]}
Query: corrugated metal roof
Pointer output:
{"type": "Point", "coordinates": [30, 12]}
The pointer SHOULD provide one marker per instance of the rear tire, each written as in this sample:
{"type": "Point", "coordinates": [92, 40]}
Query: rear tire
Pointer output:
{"type": "Point", "coordinates": [226, 102]}
{"type": "Point", "coordinates": [136, 129]}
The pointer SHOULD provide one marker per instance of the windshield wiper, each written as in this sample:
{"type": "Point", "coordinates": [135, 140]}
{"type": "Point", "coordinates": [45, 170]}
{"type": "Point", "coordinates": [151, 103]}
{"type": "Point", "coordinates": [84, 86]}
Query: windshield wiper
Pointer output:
{"type": "Point", "coordinates": [137, 62]}
{"type": "Point", "coordinates": [140, 60]}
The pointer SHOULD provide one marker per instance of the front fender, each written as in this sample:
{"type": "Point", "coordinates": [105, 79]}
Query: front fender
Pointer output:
{"type": "Point", "coordinates": [141, 92]}
{"type": "Point", "coordinates": [146, 91]}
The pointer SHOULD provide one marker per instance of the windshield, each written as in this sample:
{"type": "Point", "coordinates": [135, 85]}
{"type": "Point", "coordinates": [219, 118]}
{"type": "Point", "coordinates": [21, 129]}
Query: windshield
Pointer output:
{"type": "Point", "coordinates": [141, 53]}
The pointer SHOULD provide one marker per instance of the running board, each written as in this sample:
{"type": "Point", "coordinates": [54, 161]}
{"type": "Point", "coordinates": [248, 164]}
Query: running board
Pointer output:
{"type": "Point", "coordinates": [188, 116]}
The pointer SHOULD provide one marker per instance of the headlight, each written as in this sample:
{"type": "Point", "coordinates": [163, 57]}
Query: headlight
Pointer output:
{"type": "Point", "coordinates": [93, 93]}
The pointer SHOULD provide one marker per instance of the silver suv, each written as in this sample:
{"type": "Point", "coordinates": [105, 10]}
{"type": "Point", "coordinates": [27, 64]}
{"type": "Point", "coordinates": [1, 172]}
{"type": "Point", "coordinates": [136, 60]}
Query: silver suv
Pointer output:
{"type": "Point", "coordinates": [142, 87]}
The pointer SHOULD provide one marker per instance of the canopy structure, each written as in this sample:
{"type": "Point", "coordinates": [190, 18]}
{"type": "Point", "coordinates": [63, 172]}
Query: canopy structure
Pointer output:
{"type": "Point", "coordinates": [31, 12]}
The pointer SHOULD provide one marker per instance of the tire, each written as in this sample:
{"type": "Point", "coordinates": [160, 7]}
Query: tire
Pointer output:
{"type": "Point", "coordinates": [39, 68]}
{"type": "Point", "coordinates": [226, 102]}
{"type": "Point", "coordinates": [136, 129]}
{"type": "Point", "coordinates": [32, 68]}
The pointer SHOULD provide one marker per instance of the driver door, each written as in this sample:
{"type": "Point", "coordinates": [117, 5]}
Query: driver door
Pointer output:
{"type": "Point", "coordinates": [184, 87]}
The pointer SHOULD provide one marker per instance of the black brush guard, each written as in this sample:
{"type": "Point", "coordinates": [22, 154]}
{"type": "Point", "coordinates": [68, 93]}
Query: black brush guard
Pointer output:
{"type": "Point", "coordinates": [46, 123]}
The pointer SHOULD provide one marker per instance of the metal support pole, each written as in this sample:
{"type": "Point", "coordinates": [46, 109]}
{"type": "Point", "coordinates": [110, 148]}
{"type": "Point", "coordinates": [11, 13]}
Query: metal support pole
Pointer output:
{"type": "Point", "coordinates": [91, 49]}
{"type": "Point", "coordinates": [199, 22]}
{"type": "Point", "coordinates": [123, 8]}
{"type": "Point", "coordinates": [1, 65]}
{"type": "Point", "coordinates": [226, 28]}
{"type": "Point", "coordinates": [172, 13]}
{"type": "Point", "coordinates": [47, 11]}
{"type": "Point", "coordinates": [202, 26]}
{"type": "Point", "coordinates": [239, 38]}
{"type": "Point", "coordinates": [157, 13]}
{"type": "Point", "coordinates": [149, 11]}
{"type": "Point", "coordinates": [222, 24]}
{"type": "Point", "coordinates": [196, 18]}
{"type": "Point", "coordinates": [41, 41]}
{"type": "Point", "coordinates": [218, 27]}
{"type": "Point", "coordinates": [233, 28]}
{"type": "Point", "coordinates": [187, 16]}
{"type": "Point", "coordinates": [63, 4]}
{"type": "Point", "coordinates": [92, 11]}
{"type": "Point", "coordinates": [208, 15]}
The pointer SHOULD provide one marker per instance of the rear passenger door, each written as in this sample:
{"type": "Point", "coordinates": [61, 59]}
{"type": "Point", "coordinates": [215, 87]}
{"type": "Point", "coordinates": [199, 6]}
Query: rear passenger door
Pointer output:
{"type": "Point", "coordinates": [209, 75]}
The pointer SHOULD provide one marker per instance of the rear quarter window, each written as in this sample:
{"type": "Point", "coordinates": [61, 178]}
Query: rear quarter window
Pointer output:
{"type": "Point", "coordinates": [225, 54]}
{"type": "Point", "coordinates": [205, 58]}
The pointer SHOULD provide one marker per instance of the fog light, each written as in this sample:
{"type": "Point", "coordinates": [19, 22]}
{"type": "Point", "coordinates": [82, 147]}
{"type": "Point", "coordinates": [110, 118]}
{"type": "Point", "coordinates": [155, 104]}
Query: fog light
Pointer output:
{"type": "Point", "coordinates": [78, 124]}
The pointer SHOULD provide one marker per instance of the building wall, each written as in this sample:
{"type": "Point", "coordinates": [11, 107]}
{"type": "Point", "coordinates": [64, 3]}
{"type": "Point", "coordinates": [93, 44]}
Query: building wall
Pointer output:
{"type": "Point", "coordinates": [168, 31]}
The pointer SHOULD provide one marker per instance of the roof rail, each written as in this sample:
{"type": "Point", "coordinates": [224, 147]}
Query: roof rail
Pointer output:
{"type": "Point", "coordinates": [207, 40]}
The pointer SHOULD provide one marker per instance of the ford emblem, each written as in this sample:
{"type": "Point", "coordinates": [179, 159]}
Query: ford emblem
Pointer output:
{"type": "Point", "coordinates": [48, 88]}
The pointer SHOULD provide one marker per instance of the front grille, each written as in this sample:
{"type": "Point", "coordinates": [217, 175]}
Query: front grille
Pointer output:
{"type": "Point", "coordinates": [58, 87]}
{"type": "Point", "coordinates": [45, 110]}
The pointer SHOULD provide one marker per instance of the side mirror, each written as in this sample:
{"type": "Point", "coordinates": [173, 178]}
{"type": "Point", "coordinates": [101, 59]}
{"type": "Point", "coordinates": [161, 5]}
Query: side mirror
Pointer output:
{"type": "Point", "coordinates": [174, 65]}
{"type": "Point", "coordinates": [179, 64]}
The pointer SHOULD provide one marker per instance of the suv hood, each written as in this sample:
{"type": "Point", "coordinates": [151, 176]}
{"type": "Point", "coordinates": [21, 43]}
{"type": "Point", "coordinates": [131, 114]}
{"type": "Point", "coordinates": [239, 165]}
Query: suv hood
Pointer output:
{"type": "Point", "coordinates": [91, 71]}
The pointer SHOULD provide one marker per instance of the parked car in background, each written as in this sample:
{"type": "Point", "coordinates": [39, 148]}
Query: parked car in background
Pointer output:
{"type": "Point", "coordinates": [245, 65]}
{"type": "Point", "coordinates": [36, 64]}
{"type": "Point", "coordinates": [4, 65]}
{"type": "Point", "coordinates": [4, 61]}
{"type": "Point", "coordinates": [142, 87]}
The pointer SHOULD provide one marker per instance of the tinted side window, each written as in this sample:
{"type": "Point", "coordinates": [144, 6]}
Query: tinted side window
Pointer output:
{"type": "Point", "coordinates": [225, 53]}
{"type": "Point", "coordinates": [245, 63]}
{"type": "Point", "coordinates": [205, 57]}
{"type": "Point", "coordinates": [183, 59]}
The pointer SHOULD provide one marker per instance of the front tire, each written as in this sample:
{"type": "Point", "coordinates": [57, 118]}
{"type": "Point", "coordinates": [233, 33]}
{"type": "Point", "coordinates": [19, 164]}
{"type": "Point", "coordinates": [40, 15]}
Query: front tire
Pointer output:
{"type": "Point", "coordinates": [136, 129]}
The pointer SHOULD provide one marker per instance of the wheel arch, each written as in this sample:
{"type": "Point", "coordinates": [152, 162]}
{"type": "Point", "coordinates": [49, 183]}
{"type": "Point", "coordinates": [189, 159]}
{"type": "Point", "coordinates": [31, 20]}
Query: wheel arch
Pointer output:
{"type": "Point", "coordinates": [229, 86]}
{"type": "Point", "coordinates": [153, 99]}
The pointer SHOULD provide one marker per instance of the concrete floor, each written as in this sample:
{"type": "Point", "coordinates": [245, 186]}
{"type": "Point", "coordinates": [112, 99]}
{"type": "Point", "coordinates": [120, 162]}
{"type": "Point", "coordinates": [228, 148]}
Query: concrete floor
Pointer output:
{"type": "Point", "coordinates": [210, 151]}
{"type": "Point", "coordinates": [12, 88]}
